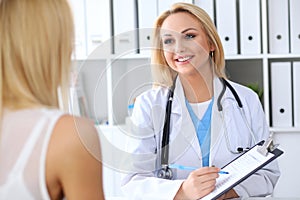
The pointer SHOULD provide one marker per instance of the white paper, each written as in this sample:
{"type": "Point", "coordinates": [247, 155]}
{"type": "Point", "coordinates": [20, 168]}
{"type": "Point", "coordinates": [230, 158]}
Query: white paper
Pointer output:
{"type": "Point", "coordinates": [238, 169]}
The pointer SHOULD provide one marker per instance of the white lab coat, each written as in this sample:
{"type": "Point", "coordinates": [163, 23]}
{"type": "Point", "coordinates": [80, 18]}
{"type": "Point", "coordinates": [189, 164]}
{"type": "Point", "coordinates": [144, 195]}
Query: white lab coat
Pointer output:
{"type": "Point", "coordinates": [148, 119]}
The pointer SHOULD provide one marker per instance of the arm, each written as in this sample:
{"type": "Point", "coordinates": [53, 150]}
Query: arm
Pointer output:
{"type": "Point", "coordinates": [73, 167]}
{"type": "Point", "coordinates": [141, 182]}
{"type": "Point", "coordinates": [266, 177]}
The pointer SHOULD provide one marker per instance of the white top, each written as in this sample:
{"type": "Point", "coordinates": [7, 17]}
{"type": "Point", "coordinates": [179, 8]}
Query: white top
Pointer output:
{"type": "Point", "coordinates": [200, 108]}
{"type": "Point", "coordinates": [25, 136]}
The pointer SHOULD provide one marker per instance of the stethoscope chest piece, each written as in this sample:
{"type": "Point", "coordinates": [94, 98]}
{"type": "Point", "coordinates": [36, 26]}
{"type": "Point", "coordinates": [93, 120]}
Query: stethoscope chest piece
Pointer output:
{"type": "Point", "coordinates": [165, 173]}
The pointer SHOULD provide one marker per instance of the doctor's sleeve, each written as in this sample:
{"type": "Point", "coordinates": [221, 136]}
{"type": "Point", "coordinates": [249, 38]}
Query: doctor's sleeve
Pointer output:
{"type": "Point", "coordinates": [140, 182]}
{"type": "Point", "coordinates": [263, 182]}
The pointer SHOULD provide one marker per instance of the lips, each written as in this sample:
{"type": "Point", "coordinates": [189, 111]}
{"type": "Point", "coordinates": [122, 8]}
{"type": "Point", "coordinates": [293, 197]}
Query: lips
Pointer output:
{"type": "Point", "coordinates": [183, 58]}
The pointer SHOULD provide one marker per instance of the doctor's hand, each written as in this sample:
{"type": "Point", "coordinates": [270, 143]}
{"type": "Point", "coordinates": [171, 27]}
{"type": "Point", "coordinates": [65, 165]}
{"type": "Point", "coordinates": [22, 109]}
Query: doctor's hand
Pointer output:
{"type": "Point", "coordinates": [199, 183]}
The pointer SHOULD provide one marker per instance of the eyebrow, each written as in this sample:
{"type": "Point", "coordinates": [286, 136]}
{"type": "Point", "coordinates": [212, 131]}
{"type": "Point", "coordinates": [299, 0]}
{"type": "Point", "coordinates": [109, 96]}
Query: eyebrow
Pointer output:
{"type": "Point", "coordinates": [184, 31]}
{"type": "Point", "coordinates": [188, 29]}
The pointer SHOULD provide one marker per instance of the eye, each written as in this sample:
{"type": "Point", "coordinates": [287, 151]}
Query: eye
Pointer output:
{"type": "Point", "coordinates": [168, 41]}
{"type": "Point", "coordinates": [189, 36]}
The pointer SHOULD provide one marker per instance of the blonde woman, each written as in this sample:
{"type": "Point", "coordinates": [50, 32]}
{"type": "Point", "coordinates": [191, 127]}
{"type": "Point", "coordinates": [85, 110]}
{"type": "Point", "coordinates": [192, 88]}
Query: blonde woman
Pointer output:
{"type": "Point", "coordinates": [44, 152]}
{"type": "Point", "coordinates": [207, 128]}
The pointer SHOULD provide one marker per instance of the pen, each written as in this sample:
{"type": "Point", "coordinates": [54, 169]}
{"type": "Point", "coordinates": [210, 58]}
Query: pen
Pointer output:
{"type": "Point", "coordinates": [182, 167]}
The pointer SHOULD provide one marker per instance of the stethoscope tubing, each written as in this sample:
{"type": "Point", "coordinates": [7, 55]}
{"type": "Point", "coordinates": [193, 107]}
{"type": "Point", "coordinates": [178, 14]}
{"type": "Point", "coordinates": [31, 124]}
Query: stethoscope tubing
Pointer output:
{"type": "Point", "coordinates": [166, 129]}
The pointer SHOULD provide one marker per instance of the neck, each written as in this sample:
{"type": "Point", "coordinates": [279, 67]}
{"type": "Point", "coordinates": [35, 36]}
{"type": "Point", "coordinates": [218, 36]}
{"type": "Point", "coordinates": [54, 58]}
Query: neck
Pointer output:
{"type": "Point", "coordinates": [198, 88]}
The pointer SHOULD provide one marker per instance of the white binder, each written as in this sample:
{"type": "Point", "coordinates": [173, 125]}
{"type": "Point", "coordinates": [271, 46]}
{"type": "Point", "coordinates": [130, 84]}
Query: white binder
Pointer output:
{"type": "Point", "coordinates": [207, 5]}
{"type": "Point", "coordinates": [78, 7]}
{"type": "Point", "coordinates": [281, 92]}
{"type": "Point", "coordinates": [295, 26]}
{"type": "Point", "coordinates": [278, 26]}
{"type": "Point", "coordinates": [164, 5]}
{"type": "Point", "coordinates": [98, 24]}
{"type": "Point", "coordinates": [250, 29]}
{"type": "Point", "coordinates": [226, 19]}
{"type": "Point", "coordinates": [147, 12]}
{"type": "Point", "coordinates": [125, 27]}
{"type": "Point", "coordinates": [296, 90]}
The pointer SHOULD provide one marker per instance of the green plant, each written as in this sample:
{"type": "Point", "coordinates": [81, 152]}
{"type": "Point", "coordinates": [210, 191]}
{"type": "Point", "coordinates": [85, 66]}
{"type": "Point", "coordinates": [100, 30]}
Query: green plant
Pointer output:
{"type": "Point", "coordinates": [256, 88]}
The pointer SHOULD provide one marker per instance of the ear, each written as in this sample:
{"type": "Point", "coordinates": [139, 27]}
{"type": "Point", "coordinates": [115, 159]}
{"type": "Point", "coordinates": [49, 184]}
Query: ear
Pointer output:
{"type": "Point", "coordinates": [212, 47]}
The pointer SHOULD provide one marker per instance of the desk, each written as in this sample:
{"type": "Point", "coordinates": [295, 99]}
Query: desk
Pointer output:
{"type": "Point", "coordinates": [271, 198]}
{"type": "Point", "coordinates": [251, 198]}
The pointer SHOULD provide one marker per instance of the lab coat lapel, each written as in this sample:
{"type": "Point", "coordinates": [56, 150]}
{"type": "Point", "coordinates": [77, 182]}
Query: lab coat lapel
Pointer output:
{"type": "Point", "coordinates": [217, 128]}
{"type": "Point", "coordinates": [186, 127]}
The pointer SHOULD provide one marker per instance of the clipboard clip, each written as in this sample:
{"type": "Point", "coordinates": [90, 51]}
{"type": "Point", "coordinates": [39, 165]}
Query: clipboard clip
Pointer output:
{"type": "Point", "coordinates": [268, 146]}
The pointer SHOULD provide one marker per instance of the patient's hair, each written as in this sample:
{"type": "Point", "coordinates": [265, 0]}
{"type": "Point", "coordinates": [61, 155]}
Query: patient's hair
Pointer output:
{"type": "Point", "coordinates": [35, 52]}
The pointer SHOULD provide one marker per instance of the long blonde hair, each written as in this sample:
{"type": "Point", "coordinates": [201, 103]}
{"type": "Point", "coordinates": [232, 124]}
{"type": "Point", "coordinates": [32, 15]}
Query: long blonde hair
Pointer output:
{"type": "Point", "coordinates": [35, 52]}
{"type": "Point", "coordinates": [164, 75]}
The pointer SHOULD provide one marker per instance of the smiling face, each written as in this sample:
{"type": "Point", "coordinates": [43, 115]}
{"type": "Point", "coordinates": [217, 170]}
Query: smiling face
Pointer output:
{"type": "Point", "coordinates": [185, 44]}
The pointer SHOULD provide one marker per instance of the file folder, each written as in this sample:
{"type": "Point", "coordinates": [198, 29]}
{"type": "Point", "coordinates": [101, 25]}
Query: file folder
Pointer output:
{"type": "Point", "coordinates": [250, 27]}
{"type": "Point", "coordinates": [98, 24]}
{"type": "Point", "coordinates": [295, 26]}
{"type": "Point", "coordinates": [226, 19]}
{"type": "Point", "coordinates": [278, 26]}
{"type": "Point", "coordinates": [147, 13]}
{"type": "Point", "coordinates": [78, 7]}
{"type": "Point", "coordinates": [125, 27]}
{"type": "Point", "coordinates": [164, 5]}
{"type": "Point", "coordinates": [296, 90]}
{"type": "Point", "coordinates": [281, 93]}
{"type": "Point", "coordinates": [207, 5]}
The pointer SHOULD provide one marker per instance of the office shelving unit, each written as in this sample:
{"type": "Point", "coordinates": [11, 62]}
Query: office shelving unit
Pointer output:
{"type": "Point", "coordinates": [120, 84]}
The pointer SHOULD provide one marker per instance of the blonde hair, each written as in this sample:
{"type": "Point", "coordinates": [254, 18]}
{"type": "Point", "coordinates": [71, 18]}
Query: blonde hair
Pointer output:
{"type": "Point", "coordinates": [164, 75]}
{"type": "Point", "coordinates": [35, 52]}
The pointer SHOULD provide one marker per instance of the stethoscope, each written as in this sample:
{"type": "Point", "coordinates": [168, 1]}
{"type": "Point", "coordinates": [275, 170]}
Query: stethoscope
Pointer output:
{"type": "Point", "coordinates": [166, 172]}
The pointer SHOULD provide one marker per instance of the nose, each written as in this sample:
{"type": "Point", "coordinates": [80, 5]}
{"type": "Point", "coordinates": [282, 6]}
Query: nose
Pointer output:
{"type": "Point", "coordinates": [179, 47]}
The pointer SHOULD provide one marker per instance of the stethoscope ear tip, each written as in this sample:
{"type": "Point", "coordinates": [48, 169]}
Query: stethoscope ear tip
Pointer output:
{"type": "Point", "coordinates": [242, 150]}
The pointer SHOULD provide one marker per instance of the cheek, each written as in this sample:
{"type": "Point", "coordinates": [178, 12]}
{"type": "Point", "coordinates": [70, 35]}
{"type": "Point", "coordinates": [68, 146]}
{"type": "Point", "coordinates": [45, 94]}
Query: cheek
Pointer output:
{"type": "Point", "coordinates": [168, 57]}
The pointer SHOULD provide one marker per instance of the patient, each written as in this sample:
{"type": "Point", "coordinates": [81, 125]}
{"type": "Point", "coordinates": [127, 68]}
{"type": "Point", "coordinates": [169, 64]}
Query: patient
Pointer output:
{"type": "Point", "coordinates": [45, 153]}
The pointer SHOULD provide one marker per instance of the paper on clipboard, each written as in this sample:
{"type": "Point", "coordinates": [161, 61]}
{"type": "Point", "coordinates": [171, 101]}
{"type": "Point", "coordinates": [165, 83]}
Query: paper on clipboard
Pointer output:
{"type": "Point", "coordinates": [240, 169]}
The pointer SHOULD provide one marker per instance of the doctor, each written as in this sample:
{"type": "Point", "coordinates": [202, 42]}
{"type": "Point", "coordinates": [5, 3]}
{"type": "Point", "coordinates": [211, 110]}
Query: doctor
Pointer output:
{"type": "Point", "coordinates": [207, 127]}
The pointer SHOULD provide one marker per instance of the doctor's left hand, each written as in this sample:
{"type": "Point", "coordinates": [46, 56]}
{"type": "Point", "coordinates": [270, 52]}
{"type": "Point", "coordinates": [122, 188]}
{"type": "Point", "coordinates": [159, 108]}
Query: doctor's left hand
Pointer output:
{"type": "Point", "coordinates": [199, 183]}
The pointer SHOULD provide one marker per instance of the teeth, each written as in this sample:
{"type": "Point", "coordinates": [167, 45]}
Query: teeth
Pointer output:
{"type": "Point", "coordinates": [184, 59]}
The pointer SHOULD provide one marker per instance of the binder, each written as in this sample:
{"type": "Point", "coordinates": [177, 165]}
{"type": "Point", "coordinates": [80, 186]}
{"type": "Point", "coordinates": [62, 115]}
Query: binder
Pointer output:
{"type": "Point", "coordinates": [281, 93]}
{"type": "Point", "coordinates": [242, 168]}
{"type": "Point", "coordinates": [125, 27]}
{"type": "Point", "coordinates": [296, 90]}
{"type": "Point", "coordinates": [295, 26]}
{"type": "Point", "coordinates": [226, 21]}
{"type": "Point", "coordinates": [98, 25]}
{"type": "Point", "coordinates": [164, 5]}
{"type": "Point", "coordinates": [207, 5]}
{"type": "Point", "coordinates": [78, 7]}
{"type": "Point", "coordinates": [250, 28]}
{"type": "Point", "coordinates": [147, 13]}
{"type": "Point", "coordinates": [278, 26]}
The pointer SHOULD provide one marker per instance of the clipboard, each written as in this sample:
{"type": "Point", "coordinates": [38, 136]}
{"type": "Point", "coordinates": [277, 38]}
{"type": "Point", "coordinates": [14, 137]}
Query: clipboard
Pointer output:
{"type": "Point", "coordinates": [244, 166]}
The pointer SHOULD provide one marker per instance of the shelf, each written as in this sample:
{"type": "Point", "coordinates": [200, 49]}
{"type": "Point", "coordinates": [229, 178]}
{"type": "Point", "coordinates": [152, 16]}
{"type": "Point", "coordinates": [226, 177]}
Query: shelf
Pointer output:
{"type": "Point", "coordinates": [285, 130]}
{"type": "Point", "coordinates": [243, 57]}
{"type": "Point", "coordinates": [283, 56]}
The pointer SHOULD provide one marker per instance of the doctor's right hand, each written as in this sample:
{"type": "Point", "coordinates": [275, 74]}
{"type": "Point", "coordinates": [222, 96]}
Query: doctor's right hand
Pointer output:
{"type": "Point", "coordinates": [199, 183]}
